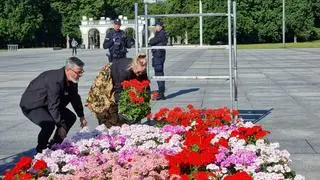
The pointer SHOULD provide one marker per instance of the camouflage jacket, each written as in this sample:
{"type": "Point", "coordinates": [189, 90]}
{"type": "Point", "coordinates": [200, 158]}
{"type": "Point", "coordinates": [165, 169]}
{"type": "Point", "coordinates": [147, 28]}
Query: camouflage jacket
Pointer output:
{"type": "Point", "coordinates": [101, 96]}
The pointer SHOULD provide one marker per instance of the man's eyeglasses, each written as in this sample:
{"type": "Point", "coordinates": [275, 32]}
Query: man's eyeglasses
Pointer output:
{"type": "Point", "coordinates": [80, 73]}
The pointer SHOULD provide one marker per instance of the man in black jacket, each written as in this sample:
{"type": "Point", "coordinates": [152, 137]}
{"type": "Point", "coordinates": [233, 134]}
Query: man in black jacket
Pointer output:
{"type": "Point", "coordinates": [158, 57]}
{"type": "Point", "coordinates": [46, 97]}
{"type": "Point", "coordinates": [117, 42]}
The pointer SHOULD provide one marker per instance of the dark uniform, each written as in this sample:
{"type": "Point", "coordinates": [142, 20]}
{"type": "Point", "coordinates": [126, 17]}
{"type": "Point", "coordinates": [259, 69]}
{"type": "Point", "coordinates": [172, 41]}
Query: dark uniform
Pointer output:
{"type": "Point", "coordinates": [159, 56]}
{"type": "Point", "coordinates": [44, 103]}
{"type": "Point", "coordinates": [117, 42]}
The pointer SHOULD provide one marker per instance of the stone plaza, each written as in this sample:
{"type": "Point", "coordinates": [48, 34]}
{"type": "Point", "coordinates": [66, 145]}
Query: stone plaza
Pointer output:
{"type": "Point", "coordinates": [278, 88]}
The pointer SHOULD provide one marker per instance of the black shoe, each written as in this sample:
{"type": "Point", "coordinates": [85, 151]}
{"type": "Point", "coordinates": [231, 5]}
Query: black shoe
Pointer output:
{"type": "Point", "coordinates": [161, 97]}
{"type": "Point", "coordinates": [51, 143]}
{"type": "Point", "coordinates": [39, 148]}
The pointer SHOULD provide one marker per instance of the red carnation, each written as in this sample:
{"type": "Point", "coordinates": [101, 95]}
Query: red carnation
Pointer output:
{"type": "Point", "coordinates": [25, 176]}
{"type": "Point", "coordinates": [40, 165]}
{"type": "Point", "coordinates": [24, 163]}
{"type": "Point", "coordinates": [239, 175]}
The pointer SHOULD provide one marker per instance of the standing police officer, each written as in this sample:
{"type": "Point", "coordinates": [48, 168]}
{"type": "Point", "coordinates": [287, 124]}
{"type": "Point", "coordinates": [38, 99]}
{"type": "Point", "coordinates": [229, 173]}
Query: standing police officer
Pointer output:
{"type": "Point", "coordinates": [159, 56]}
{"type": "Point", "coordinates": [117, 42]}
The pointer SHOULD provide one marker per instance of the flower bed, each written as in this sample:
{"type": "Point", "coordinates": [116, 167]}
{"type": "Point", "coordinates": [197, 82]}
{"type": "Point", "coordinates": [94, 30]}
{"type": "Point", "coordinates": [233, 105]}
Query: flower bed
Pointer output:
{"type": "Point", "coordinates": [184, 144]}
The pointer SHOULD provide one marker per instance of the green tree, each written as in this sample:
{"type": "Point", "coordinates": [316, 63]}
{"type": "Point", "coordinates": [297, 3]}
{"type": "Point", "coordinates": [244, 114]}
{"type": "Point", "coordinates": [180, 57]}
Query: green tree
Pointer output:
{"type": "Point", "coordinates": [299, 19]}
{"type": "Point", "coordinates": [19, 20]}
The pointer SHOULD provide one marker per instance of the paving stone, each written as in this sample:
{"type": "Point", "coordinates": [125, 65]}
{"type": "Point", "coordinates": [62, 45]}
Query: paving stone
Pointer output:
{"type": "Point", "coordinates": [282, 81]}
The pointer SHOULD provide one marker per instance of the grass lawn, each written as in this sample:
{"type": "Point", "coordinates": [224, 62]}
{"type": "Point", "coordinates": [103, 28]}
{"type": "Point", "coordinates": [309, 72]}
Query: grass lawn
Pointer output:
{"type": "Point", "coordinates": [313, 44]}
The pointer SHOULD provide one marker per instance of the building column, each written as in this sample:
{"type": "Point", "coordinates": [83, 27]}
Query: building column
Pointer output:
{"type": "Point", "coordinates": [140, 40]}
{"type": "Point", "coordinates": [85, 40]}
{"type": "Point", "coordinates": [102, 37]}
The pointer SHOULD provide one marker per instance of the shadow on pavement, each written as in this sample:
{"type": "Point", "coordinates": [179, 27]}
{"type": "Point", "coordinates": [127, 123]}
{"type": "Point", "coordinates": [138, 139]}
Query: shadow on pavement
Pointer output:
{"type": "Point", "coordinates": [9, 162]}
{"type": "Point", "coordinates": [254, 115]}
{"type": "Point", "coordinates": [180, 92]}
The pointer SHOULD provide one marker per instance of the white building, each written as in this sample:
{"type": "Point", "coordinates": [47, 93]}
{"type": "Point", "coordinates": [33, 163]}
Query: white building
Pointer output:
{"type": "Point", "coordinates": [93, 32]}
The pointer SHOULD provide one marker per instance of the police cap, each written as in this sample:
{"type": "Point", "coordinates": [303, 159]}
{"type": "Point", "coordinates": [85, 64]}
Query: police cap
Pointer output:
{"type": "Point", "coordinates": [117, 21]}
{"type": "Point", "coordinates": [159, 24]}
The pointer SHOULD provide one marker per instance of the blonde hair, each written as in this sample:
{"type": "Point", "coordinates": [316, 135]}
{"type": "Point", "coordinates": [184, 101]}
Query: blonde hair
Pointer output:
{"type": "Point", "coordinates": [140, 59]}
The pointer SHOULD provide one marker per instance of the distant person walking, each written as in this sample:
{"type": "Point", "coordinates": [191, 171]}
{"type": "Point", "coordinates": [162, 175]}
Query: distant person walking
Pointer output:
{"type": "Point", "coordinates": [74, 45]}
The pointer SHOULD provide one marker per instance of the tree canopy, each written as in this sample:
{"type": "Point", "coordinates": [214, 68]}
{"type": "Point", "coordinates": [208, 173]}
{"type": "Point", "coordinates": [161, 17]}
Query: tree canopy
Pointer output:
{"type": "Point", "coordinates": [33, 23]}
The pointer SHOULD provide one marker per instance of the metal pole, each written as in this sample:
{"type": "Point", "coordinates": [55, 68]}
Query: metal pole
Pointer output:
{"type": "Point", "coordinates": [230, 54]}
{"type": "Point", "coordinates": [283, 23]}
{"type": "Point", "coordinates": [187, 15]}
{"type": "Point", "coordinates": [146, 35]}
{"type": "Point", "coordinates": [235, 52]}
{"type": "Point", "coordinates": [137, 27]}
{"type": "Point", "coordinates": [200, 22]}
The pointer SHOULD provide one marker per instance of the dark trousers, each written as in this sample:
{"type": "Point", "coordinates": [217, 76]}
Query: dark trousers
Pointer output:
{"type": "Point", "coordinates": [158, 66]}
{"type": "Point", "coordinates": [74, 51]}
{"type": "Point", "coordinates": [112, 57]}
{"type": "Point", "coordinates": [42, 118]}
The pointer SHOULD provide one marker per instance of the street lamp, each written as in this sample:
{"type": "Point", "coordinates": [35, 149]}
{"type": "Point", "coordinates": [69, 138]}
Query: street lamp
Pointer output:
{"type": "Point", "coordinates": [283, 23]}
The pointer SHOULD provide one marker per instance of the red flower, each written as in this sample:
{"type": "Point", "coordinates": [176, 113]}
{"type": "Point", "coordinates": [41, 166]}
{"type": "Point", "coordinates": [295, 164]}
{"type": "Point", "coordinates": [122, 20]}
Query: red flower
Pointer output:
{"type": "Point", "coordinates": [40, 165]}
{"type": "Point", "coordinates": [223, 142]}
{"type": "Point", "coordinates": [24, 163]}
{"type": "Point", "coordinates": [9, 175]}
{"type": "Point", "coordinates": [190, 106]}
{"type": "Point", "coordinates": [136, 85]}
{"type": "Point", "coordinates": [238, 176]}
{"type": "Point", "coordinates": [25, 176]}
{"type": "Point", "coordinates": [202, 175]}
{"type": "Point", "coordinates": [125, 84]}
{"type": "Point", "coordinates": [235, 112]}
{"type": "Point", "coordinates": [149, 115]}
{"type": "Point", "coordinates": [227, 118]}
{"type": "Point", "coordinates": [261, 134]}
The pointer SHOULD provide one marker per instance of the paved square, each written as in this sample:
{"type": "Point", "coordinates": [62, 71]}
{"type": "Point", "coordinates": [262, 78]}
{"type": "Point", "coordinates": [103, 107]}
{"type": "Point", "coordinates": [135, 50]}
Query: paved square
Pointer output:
{"type": "Point", "coordinates": [283, 81]}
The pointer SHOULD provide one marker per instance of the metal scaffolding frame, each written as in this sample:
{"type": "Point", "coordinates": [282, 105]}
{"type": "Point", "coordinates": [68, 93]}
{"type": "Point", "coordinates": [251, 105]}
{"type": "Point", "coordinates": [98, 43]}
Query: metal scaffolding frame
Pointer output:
{"type": "Point", "coordinates": [232, 48]}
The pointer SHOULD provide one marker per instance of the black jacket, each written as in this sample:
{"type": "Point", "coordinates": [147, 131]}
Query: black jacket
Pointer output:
{"type": "Point", "coordinates": [120, 73]}
{"type": "Point", "coordinates": [117, 42]}
{"type": "Point", "coordinates": [159, 39]}
{"type": "Point", "coordinates": [51, 90]}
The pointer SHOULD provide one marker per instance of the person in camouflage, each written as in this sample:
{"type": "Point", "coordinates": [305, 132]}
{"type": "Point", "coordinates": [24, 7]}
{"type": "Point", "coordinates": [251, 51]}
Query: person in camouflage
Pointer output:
{"type": "Point", "coordinates": [101, 97]}
{"type": "Point", "coordinates": [104, 93]}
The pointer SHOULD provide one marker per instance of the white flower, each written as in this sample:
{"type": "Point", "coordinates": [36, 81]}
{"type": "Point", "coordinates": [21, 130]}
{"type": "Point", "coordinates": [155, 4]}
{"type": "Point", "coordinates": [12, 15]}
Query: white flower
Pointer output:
{"type": "Point", "coordinates": [193, 123]}
{"type": "Point", "coordinates": [287, 168]}
{"type": "Point", "coordinates": [224, 170]}
{"type": "Point", "coordinates": [68, 168]}
{"type": "Point", "coordinates": [248, 124]}
{"type": "Point", "coordinates": [101, 128]}
{"type": "Point", "coordinates": [260, 142]}
{"type": "Point", "coordinates": [274, 145]}
{"type": "Point", "coordinates": [299, 177]}
{"type": "Point", "coordinates": [53, 167]}
{"type": "Point", "coordinates": [84, 129]}
{"type": "Point", "coordinates": [212, 167]}
{"type": "Point", "coordinates": [267, 176]}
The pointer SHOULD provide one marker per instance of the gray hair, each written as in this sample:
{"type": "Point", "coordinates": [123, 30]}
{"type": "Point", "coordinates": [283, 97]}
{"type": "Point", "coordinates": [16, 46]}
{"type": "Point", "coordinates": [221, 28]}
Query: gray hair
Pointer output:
{"type": "Point", "coordinates": [74, 61]}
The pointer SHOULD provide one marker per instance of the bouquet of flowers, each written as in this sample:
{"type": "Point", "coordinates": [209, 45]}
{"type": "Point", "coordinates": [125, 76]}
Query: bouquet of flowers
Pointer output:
{"type": "Point", "coordinates": [134, 102]}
